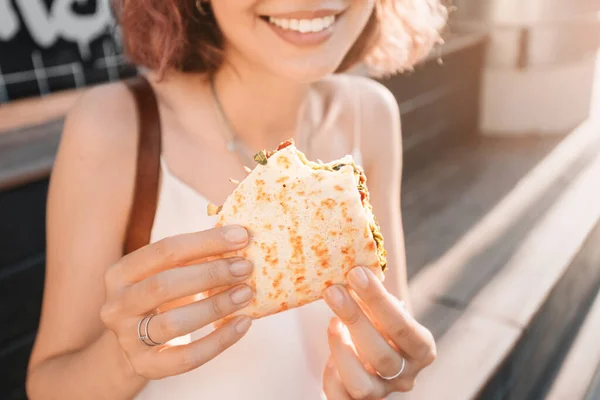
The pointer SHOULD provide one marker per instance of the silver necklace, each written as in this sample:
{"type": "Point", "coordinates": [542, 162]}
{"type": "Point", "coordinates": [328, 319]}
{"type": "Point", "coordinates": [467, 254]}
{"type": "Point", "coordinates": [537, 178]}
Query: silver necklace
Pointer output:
{"type": "Point", "coordinates": [233, 143]}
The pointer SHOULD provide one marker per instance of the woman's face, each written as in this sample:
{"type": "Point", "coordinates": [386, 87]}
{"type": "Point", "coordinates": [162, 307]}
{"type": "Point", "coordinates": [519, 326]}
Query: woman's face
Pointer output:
{"type": "Point", "coordinates": [302, 40]}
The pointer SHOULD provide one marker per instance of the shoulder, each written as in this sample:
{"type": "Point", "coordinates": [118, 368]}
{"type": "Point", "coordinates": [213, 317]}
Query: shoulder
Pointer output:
{"type": "Point", "coordinates": [95, 163]}
{"type": "Point", "coordinates": [378, 106]}
{"type": "Point", "coordinates": [379, 114]}
{"type": "Point", "coordinates": [103, 116]}
{"type": "Point", "coordinates": [101, 126]}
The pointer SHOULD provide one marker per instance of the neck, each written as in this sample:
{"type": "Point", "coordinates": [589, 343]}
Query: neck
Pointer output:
{"type": "Point", "coordinates": [262, 109]}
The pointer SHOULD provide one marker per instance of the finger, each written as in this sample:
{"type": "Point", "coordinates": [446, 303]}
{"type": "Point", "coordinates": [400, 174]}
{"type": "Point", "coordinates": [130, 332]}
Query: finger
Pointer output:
{"type": "Point", "coordinates": [191, 317]}
{"type": "Point", "coordinates": [180, 250]}
{"type": "Point", "coordinates": [173, 284]}
{"type": "Point", "coordinates": [371, 345]}
{"type": "Point", "coordinates": [176, 360]}
{"type": "Point", "coordinates": [358, 382]}
{"type": "Point", "coordinates": [410, 336]}
{"type": "Point", "coordinates": [332, 384]}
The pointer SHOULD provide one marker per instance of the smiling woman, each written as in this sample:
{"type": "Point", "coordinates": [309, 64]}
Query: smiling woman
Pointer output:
{"type": "Point", "coordinates": [140, 162]}
{"type": "Point", "coordinates": [189, 36]}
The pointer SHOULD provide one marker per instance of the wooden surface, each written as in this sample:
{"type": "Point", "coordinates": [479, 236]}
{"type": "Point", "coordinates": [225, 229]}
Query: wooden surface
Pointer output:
{"type": "Point", "coordinates": [27, 154]}
{"type": "Point", "coordinates": [594, 391]}
{"type": "Point", "coordinates": [506, 261]}
{"type": "Point", "coordinates": [35, 111]}
{"type": "Point", "coordinates": [531, 367]}
{"type": "Point", "coordinates": [545, 253]}
{"type": "Point", "coordinates": [583, 360]}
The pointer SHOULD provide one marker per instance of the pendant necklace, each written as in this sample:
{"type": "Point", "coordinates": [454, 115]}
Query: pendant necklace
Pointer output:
{"type": "Point", "coordinates": [233, 143]}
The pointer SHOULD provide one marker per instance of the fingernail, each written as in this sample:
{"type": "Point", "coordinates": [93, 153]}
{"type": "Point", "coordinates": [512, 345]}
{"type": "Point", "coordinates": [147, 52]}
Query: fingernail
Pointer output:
{"type": "Point", "coordinates": [334, 296]}
{"type": "Point", "coordinates": [243, 325]}
{"type": "Point", "coordinates": [240, 268]}
{"type": "Point", "coordinates": [358, 278]}
{"type": "Point", "coordinates": [236, 235]}
{"type": "Point", "coordinates": [241, 295]}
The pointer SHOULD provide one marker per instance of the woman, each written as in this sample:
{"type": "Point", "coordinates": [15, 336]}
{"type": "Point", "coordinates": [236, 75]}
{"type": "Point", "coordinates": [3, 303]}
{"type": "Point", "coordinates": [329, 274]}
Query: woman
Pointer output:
{"type": "Point", "coordinates": [226, 73]}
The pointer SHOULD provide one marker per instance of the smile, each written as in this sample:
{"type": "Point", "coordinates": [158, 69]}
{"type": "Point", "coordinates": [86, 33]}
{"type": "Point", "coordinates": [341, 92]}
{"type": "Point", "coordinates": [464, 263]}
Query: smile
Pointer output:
{"type": "Point", "coordinates": [303, 25]}
{"type": "Point", "coordinates": [307, 28]}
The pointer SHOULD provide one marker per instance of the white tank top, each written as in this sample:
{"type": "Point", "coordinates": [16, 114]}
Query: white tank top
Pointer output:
{"type": "Point", "coordinates": [281, 357]}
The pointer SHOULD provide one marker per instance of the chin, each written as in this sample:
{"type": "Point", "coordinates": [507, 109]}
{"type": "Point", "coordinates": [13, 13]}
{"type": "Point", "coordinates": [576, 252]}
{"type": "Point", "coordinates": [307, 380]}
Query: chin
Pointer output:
{"type": "Point", "coordinates": [309, 70]}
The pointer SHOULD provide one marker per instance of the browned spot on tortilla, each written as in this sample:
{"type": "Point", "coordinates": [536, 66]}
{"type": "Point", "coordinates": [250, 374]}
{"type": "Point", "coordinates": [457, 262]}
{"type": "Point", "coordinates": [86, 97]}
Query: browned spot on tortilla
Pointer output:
{"type": "Point", "coordinates": [261, 195]}
{"type": "Point", "coordinates": [277, 280]}
{"type": "Point", "coordinates": [370, 246]}
{"type": "Point", "coordinates": [260, 182]}
{"type": "Point", "coordinates": [268, 227]}
{"type": "Point", "coordinates": [345, 212]}
{"type": "Point", "coordinates": [270, 253]}
{"type": "Point", "coordinates": [284, 306]}
{"type": "Point", "coordinates": [338, 188]}
{"type": "Point", "coordinates": [285, 162]}
{"type": "Point", "coordinates": [299, 280]}
{"type": "Point", "coordinates": [282, 179]}
{"type": "Point", "coordinates": [329, 203]}
{"type": "Point", "coordinates": [264, 272]}
{"type": "Point", "coordinates": [297, 256]}
{"type": "Point", "coordinates": [319, 214]}
{"type": "Point", "coordinates": [349, 257]}
{"type": "Point", "coordinates": [322, 252]}
{"type": "Point", "coordinates": [333, 233]}
{"type": "Point", "coordinates": [252, 283]}
{"type": "Point", "coordinates": [328, 283]}
{"type": "Point", "coordinates": [281, 227]}
{"type": "Point", "coordinates": [238, 200]}
{"type": "Point", "coordinates": [284, 199]}
{"type": "Point", "coordinates": [301, 192]}
{"type": "Point", "coordinates": [319, 177]}
{"type": "Point", "coordinates": [315, 192]}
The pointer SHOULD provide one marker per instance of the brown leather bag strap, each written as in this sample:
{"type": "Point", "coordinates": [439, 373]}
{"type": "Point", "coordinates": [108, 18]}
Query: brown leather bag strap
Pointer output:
{"type": "Point", "coordinates": [145, 195]}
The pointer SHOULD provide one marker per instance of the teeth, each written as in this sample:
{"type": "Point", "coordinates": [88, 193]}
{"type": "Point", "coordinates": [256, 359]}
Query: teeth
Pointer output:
{"type": "Point", "coordinates": [317, 24]}
{"type": "Point", "coordinates": [303, 25]}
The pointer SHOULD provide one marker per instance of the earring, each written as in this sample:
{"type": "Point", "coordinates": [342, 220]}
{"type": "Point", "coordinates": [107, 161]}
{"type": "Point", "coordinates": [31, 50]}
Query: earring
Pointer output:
{"type": "Point", "coordinates": [201, 7]}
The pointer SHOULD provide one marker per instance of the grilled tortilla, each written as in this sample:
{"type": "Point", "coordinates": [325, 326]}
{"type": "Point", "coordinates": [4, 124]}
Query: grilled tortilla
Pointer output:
{"type": "Point", "coordinates": [310, 224]}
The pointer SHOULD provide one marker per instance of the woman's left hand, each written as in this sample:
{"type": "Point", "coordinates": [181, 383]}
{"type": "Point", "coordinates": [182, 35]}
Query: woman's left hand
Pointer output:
{"type": "Point", "coordinates": [377, 347]}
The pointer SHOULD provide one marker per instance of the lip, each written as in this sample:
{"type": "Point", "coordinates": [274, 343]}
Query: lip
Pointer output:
{"type": "Point", "coordinates": [307, 38]}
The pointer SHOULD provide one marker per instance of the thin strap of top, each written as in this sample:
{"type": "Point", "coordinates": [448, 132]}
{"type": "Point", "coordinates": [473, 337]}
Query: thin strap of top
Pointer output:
{"type": "Point", "coordinates": [145, 195]}
{"type": "Point", "coordinates": [356, 153]}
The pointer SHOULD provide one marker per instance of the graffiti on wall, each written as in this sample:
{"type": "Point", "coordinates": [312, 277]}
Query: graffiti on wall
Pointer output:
{"type": "Point", "coordinates": [52, 45]}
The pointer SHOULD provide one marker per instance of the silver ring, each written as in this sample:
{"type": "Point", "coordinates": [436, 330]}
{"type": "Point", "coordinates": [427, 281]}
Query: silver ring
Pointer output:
{"type": "Point", "coordinates": [391, 378]}
{"type": "Point", "coordinates": [143, 335]}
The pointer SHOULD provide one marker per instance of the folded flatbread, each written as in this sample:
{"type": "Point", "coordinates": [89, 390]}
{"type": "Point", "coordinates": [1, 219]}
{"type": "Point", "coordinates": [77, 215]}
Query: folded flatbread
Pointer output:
{"type": "Point", "coordinates": [310, 223]}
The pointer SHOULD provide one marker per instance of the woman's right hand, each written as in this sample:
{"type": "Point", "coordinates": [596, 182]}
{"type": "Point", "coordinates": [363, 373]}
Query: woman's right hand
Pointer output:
{"type": "Point", "coordinates": [166, 271]}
